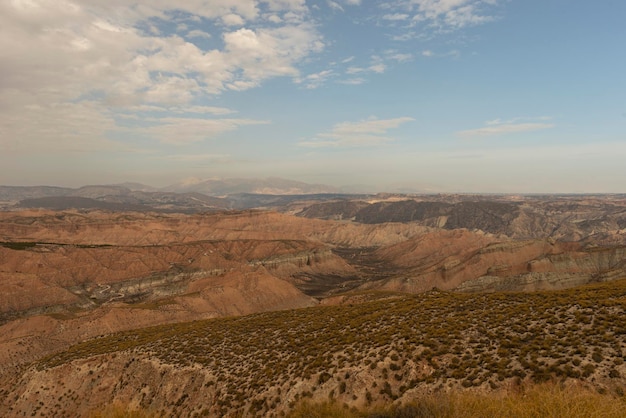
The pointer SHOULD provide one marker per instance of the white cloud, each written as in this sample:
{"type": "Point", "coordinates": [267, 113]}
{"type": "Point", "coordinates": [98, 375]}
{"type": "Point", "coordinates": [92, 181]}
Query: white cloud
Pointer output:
{"type": "Point", "coordinates": [429, 18]}
{"type": "Point", "coordinates": [371, 125]}
{"type": "Point", "coordinates": [172, 90]}
{"type": "Point", "coordinates": [367, 132]}
{"type": "Point", "coordinates": [290, 5]}
{"type": "Point", "coordinates": [199, 158]}
{"type": "Point", "coordinates": [274, 18]}
{"type": "Point", "coordinates": [451, 13]}
{"type": "Point", "coordinates": [500, 127]}
{"type": "Point", "coordinates": [232, 19]}
{"type": "Point", "coordinates": [172, 130]}
{"type": "Point", "coordinates": [378, 68]}
{"type": "Point", "coordinates": [399, 57]}
{"type": "Point", "coordinates": [396, 16]}
{"type": "Point", "coordinates": [197, 33]}
{"type": "Point", "coordinates": [466, 16]}
{"type": "Point", "coordinates": [335, 6]}
{"type": "Point", "coordinates": [377, 65]}
{"type": "Point", "coordinates": [315, 80]}
{"type": "Point", "coordinates": [353, 81]}
{"type": "Point", "coordinates": [102, 58]}
{"type": "Point", "coordinates": [28, 127]}
{"type": "Point", "coordinates": [354, 70]}
{"type": "Point", "coordinates": [267, 53]}
{"type": "Point", "coordinates": [206, 110]}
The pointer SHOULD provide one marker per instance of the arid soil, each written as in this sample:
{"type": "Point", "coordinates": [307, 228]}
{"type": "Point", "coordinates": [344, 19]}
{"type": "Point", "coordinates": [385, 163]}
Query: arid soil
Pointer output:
{"type": "Point", "coordinates": [386, 348]}
{"type": "Point", "coordinates": [71, 276]}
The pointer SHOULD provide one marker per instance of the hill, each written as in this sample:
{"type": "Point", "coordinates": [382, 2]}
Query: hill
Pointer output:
{"type": "Point", "coordinates": [345, 310]}
{"type": "Point", "coordinates": [386, 348]}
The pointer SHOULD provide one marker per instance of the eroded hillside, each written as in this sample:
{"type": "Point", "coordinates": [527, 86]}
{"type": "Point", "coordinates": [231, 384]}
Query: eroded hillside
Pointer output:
{"type": "Point", "coordinates": [387, 348]}
{"type": "Point", "coordinates": [595, 219]}
{"type": "Point", "coordinates": [105, 271]}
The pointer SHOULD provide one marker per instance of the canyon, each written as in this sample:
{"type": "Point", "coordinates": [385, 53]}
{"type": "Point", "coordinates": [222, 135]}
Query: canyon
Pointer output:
{"type": "Point", "coordinates": [76, 275]}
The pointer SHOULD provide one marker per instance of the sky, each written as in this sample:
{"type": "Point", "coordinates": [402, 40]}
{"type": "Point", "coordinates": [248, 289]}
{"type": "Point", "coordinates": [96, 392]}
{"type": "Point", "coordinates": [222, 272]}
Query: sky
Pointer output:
{"type": "Point", "coordinates": [504, 96]}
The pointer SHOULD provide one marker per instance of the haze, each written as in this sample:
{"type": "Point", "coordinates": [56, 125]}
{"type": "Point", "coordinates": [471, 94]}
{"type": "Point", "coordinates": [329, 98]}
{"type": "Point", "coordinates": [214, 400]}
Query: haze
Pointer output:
{"type": "Point", "coordinates": [428, 95]}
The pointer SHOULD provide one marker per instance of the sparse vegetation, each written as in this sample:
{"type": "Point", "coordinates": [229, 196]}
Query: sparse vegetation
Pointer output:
{"type": "Point", "coordinates": [432, 340]}
{"type": "Point", "coordinates": [119, 410]}
{"type": "Point", "coordinates": [547, 400]}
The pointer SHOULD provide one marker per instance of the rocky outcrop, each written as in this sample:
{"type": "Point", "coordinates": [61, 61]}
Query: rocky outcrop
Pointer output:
{"type": "Point", "coordinates": [403, 211]}
{"type": "Point", "coordinates": [473, 261]}
{"type": "Point", "coordinates": [339, 210]}
{"type": "Point", "coordinates": [593, 219]}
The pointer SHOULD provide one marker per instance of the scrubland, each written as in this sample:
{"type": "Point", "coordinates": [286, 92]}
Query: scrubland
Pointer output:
{"type": "Point", "coordinates": [390, 352]}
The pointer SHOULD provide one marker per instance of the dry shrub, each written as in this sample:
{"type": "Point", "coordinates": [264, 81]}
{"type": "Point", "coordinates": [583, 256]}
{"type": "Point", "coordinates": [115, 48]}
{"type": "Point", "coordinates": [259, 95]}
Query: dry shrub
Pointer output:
{"type": "Point", "coordinates": [322, 410]}
{"type": "Point", "coordinates": [545, 400]}
{"type": "Point", "coordinates": [119, 410]}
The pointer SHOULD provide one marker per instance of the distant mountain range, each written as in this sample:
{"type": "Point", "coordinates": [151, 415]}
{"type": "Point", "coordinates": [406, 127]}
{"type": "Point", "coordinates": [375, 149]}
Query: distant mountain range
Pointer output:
{"type": "Point", "coordinates": [270, 185]}
{"type": "Point", "coordinates": [209, 187]}
{"type": "Point", "coordinates": [187, 196]}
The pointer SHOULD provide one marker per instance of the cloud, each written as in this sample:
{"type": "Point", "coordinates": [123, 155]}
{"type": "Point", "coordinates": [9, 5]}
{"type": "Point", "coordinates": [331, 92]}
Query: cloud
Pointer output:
{"type": "Point", "coordinates": [335, 6]}
{"type": "Point", "coordinates": [376, 65]}
{"type": "Point", "coordinates": [377, 68]}
{"type": "Point", "coordinates": [451, 13]}
{"type": "Point", "coordinates": [28, 127]}
{"type": "Point", "coordinates": [399, 57]}
{"type": "Point", "coordinates": [353, 81]}
{"type": "Point", "coordinates": [396, 16]}
{"type": "Point", "coordinates": [274, 18]}
{"type": "Point", "coordinates": [202, 110]}
{"type": "Point", "coordinates": [354, 70]}
{"type": "Point", "coordinates": [197, 33]}
{"type": "Point", "coordinates": [178, 131]}
{"type": "Point", "coordinates": [232, 19]}
{"type": "Point", "coordinates": [367, 132]}
{"type": "Point", "coordinates": [199, 158]}
{"type": "Point", "coordinates": [500, 127]}
{"type": "Point", "coordinates": [266, 53]}
{"type": "Point", "coordinates": [105, 59]}
{"type": "Point", "coordinates": [313, 81]}
{"type": "Point", "coordinates": [430, 18]}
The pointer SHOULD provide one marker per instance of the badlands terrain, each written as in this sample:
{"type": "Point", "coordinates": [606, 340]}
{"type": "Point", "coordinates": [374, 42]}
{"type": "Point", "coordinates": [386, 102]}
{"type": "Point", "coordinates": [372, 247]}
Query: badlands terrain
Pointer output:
{"type": "Point", "coordinates": [247, 304]}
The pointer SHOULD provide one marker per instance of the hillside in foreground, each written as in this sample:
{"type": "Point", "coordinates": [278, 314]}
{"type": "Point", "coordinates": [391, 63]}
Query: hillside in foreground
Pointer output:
{"type": "Point", "coordinates": [377, 348]}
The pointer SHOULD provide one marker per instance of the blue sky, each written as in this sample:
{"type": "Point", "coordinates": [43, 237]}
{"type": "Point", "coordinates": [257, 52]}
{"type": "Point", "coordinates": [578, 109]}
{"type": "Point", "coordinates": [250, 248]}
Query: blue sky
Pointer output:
{"type": "Point", "coordinates": [427, 95]}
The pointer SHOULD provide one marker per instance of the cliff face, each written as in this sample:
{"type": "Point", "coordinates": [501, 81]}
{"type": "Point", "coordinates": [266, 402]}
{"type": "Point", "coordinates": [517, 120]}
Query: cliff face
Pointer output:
{"type": "Point", "coordinates": [92, 275]}
{"type": "Point", "coordinates": [340, 210]}
{"type": "Point", "coordinates": [595, 219]}
{"type": "Point", "coordinates": [69, 276]}
{"type": "Point", "coordinates": [474, 261]}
